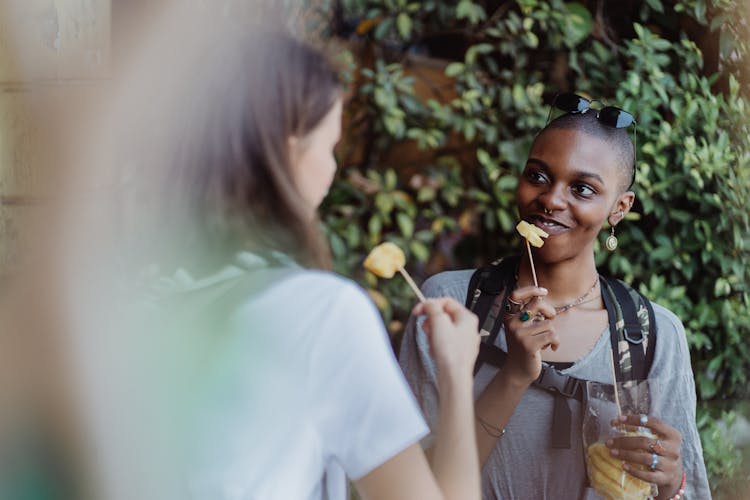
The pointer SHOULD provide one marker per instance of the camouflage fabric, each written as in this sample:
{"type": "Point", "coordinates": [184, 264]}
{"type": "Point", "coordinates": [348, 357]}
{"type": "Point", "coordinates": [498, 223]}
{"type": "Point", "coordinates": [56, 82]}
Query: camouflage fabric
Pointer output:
{"type": "Point", "coordinates": [624, 346]}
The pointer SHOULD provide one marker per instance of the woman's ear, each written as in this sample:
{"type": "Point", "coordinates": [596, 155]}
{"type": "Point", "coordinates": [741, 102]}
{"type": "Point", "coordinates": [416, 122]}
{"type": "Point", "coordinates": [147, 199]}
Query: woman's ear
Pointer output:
{"type": "Point", "coordinates": [622, 206]}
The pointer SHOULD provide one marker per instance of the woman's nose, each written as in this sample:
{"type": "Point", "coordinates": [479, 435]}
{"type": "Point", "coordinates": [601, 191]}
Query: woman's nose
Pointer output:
{"type": "Point", "coordinates": [553, 198]}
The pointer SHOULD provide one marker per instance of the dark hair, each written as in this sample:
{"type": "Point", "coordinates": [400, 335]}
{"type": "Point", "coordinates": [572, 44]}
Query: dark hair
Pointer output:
{"type": "Point", "coordinates": [617, 138]}
{"type": "Point", "coordinates": [228, 185]}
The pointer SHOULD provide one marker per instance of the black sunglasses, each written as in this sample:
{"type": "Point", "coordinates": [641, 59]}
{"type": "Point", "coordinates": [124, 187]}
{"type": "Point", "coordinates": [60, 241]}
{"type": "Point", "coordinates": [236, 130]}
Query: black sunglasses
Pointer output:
{"type": "Point", "coordinates": [608, 115]}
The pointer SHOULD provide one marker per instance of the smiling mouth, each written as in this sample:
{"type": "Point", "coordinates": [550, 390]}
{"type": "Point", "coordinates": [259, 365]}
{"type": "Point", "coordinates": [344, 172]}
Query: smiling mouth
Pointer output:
{"type": "Point", "coordinates": [551, 226]}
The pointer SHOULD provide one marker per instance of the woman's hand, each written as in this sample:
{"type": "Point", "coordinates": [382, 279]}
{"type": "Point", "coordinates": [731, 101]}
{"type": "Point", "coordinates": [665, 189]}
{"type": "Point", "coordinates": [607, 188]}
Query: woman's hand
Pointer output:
{"type": "Point", "coordinates": [638, 452]}
{"type": "Point", "coordinates": [453, 334]}
{"type": "Point", "coordinates": [528, 331]}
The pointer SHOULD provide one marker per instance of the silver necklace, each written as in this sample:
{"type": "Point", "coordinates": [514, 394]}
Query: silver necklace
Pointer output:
{"type": "Point", "coordinates": [580, 300]}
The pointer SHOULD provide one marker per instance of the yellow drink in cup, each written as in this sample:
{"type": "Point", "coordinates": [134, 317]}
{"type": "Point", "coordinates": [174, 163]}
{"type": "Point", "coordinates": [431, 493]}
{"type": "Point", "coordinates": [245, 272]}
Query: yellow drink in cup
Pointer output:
{"type": "Point", "coordinates": [605, 471]}
{"type": "Point", "coordinates": [608, 478]}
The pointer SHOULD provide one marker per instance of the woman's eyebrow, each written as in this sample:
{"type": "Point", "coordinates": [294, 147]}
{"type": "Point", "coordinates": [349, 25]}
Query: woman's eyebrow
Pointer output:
{"type": "Point", "coordinates": [592, 175]}
{"type": "Point", "coordinates": [538, 162]}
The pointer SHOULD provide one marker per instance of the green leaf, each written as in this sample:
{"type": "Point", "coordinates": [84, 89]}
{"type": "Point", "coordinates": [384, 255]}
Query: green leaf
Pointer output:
{"type": "Point", "coordinates": [485, 159]}
{"type": "Point", "coordinates": [580, 23]}
{"type": "Point", "coordinates": [390, 180]}
{"type": "Point", "coordinates": [454, 69]}
{"type": "Point", "coordinates": [656, 5]}
{"type": "Point", "coordinates": [419, 250]}
{"type": "Point", "coordinates": [384, 203]}
{"type": "Point", "coordinates": [403, 22]}
{"type": "Point", "coordinates": [374, 227]}
{"type": "Point", "coordinates": [726, 44]}
{"type": "Point", "coordinates": [466, 9]}
{"type": "Point", "coordinates": [405, 224]}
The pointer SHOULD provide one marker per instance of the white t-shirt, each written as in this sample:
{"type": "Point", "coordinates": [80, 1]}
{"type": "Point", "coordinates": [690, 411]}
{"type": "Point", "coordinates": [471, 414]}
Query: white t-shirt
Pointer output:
{"type": "Point", "coordinates": [302, 391]}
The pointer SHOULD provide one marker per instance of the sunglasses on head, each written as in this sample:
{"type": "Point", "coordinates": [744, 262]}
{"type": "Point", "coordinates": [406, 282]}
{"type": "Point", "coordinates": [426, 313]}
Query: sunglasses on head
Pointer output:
{"type": "Point", "coordinates": [610, 116]}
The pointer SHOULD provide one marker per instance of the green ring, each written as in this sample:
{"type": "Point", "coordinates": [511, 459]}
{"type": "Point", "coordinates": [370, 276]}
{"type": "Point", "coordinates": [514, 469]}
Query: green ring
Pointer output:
{"type": "Point", "coordinates": [525, 316]}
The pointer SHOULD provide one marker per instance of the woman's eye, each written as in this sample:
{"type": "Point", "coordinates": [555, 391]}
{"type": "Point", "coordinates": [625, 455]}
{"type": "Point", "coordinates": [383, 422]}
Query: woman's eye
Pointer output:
{"type": "Point", "coordinates": [535, 176]}
{"type": "Point", "coordinates": [583, 190]}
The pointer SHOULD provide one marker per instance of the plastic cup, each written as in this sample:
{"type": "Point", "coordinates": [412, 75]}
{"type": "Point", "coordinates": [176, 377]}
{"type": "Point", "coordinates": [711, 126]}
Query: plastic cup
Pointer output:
{"type": "Point", "coordinates": [605, 472]}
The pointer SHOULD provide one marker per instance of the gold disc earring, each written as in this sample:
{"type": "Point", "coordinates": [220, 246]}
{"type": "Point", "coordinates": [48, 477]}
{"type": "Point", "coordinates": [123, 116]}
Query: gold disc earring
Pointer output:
{"type": "Point", "coordinates": [611, 242]}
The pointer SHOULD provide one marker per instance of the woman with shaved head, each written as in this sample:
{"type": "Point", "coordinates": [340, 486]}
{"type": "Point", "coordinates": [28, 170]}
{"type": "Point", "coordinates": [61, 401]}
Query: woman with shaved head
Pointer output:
{"type": "Point", "coordinates": [546, 341]}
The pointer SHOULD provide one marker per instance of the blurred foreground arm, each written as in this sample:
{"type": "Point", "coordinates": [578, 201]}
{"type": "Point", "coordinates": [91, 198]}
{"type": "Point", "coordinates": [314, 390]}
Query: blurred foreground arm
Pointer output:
{"type": "Point", "coordinates": [454, 342]}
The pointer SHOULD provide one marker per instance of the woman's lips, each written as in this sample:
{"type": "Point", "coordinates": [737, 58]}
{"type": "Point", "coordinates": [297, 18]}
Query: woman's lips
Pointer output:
{"type": "Point", "coordinates": [551, 226]}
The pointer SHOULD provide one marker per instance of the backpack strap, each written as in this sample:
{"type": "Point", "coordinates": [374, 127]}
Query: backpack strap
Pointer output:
{"type": "Point", "coordinates": [632, 329]}
{"type": "Point", "coordinates": [486, 297]}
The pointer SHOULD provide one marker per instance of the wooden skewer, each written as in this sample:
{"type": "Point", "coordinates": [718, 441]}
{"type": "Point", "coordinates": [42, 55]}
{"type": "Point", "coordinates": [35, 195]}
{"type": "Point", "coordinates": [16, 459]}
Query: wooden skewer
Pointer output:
{"type": "Point", "coordinates": [413, 285]}
{"type": "Point", "coordinates": [531, 260]}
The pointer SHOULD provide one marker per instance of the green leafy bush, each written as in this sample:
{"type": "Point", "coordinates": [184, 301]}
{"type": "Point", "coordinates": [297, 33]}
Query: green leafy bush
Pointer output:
{"type": "Point", "coordinates": [430, 163]}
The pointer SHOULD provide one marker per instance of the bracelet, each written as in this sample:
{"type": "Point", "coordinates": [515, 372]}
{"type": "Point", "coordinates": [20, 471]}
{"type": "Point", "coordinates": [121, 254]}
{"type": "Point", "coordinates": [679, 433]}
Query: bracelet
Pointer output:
{"type": "Point", "coordinates": [681, 491]}
{"type": "Point", "coordinates": [490, 429]}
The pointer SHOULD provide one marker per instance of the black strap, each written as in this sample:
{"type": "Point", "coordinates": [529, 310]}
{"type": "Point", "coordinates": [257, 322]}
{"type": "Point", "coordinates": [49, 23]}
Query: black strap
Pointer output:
{"type": "Point", "coordinates": [485, 288]}
{"type": "Point", "coordinates": [632, 329]}
{"type": "Point", "coordinates": [562, 420]}
{"type": "Point", "coordinates": [651, 347]}
{"type": "Point", "coordinates": [481, 302]}
{"type": "Point", "coordinates": [625, 312]}
{"type": "Point", "coordinates": [612, 316]}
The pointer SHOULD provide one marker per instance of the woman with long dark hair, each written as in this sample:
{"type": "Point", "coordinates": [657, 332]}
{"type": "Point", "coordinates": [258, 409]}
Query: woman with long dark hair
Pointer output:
{"type": "Point", "coordinates": [270, 376]}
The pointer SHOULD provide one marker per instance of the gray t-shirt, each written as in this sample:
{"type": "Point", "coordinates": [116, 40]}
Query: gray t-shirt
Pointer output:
{"type": "Point", "coordinates": [523, 465]}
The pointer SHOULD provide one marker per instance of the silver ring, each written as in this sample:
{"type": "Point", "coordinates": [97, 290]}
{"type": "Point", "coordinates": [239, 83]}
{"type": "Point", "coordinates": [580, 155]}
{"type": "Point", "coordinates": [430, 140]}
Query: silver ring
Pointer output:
{"type": "Point", "coordinates": [656, 447]}
{"type": "Point", "coordinates": [654, 461]}
{"type": "Point", "coordinates": [644, 420]}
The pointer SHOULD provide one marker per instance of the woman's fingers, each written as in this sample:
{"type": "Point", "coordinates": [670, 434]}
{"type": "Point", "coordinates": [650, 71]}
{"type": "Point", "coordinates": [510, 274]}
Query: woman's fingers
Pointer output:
{"type": "Point", "coordinates": [655, 477]}
{"type": "Point", "coordinates": [452, 333]}
{"type": "Point", "coordinates": [547, 339]}
{"type": "Point", "coordinates": [433, 306]}
{"type": "Point", "coordinates": [529, 299]}
{"type": "Point", "coordinates": [655, 424]}
{"type": "Point", "coordinates": [454, 312]}
{"type": "Point", "coordinates": [654, 459]}
{"type": "Point", "coordinates": [536, 336]}
{"type": "Point", "coordinates": [459, 313]}
{"type": "Point", "coordinates": [524, 294]}
{"type": "Point", "coordinates": [447, 315]}
{"type": "Point", "coordinates": [647, 445]}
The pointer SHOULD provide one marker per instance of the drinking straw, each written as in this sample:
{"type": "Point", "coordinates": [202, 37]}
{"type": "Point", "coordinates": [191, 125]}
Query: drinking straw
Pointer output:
{"type": "Point", "coordinates": [614, 381]}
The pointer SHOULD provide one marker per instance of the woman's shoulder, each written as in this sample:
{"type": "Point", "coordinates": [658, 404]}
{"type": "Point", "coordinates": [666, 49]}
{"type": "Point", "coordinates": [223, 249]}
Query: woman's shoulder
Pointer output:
{"type": "Point", "coordinates": [448, 284]}
{"type": "Point", "coordinates": [315, 285]}
{"type": "Point", "coordinates": [305, 301]}
{"type": "Point", "coordinates": [671, 339]}
{"type": "Point", "coordinates": [668, 324]}
{"type": "Point", "coordinates": [665, 318]}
